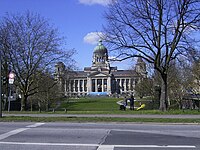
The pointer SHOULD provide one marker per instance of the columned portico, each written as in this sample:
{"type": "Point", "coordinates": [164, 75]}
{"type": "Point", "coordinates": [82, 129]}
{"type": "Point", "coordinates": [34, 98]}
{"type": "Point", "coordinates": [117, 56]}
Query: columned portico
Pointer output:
{"type": "Point", "coordinates": [100, 77]}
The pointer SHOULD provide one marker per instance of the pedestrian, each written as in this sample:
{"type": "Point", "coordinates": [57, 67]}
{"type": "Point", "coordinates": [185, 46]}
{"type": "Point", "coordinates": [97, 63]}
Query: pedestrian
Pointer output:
{"type": "Point", "coordinates": [132, 102]}
{"type": "Point", "coordinates": [124, 103]}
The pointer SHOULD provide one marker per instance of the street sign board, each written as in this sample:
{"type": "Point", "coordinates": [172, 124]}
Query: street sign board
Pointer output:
{"type": "Point", "coordinates": [11, 81]}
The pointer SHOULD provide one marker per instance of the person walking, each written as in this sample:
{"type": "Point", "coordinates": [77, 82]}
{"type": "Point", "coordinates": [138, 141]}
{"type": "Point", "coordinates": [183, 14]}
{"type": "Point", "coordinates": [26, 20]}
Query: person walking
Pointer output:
{"type": "Point", "coordinates": [132, 102]}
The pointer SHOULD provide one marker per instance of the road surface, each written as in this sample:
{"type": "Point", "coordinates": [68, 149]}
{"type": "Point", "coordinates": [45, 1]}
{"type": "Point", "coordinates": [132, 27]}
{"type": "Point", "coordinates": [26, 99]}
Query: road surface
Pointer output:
{"type": "Point", "coordinates": [98, 136]}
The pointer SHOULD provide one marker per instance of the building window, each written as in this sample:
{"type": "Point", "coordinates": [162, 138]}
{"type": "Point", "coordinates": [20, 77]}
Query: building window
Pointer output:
{"type": "Point", "coordinates": [122, 84]}
{"type": "Point", "coordinates": [118, 86]}
{"type": "Point", "coordinates": [72, 85]}
{"type": "Point", "coordinates": [81, 86]}
{"type": "Point", "coordinates": [132, 84]}
{"type": "Point", "coordinates": [93, 85]}
{"type": "Point", "coordinates": [105, 85]}
{"type": "Point", "coordinates": [127, 84]}
{"type": "Point", "coordinates": [113, 86]}
{"type": "Point", "coordinates": [76, 85]}
{"type": "Point", "coordinates": [85, 85]}
{"type": "Point", "coordinates": [99, 85]}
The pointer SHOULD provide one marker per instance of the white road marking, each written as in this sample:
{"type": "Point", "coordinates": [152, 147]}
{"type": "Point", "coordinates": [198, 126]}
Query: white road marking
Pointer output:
{"type": "Point", "coordinates": [102, 147]}
{"type": "Point", "coordinates": [156, 146]}
{"type": "Point", "coordinates": [35, 125]}
{"type": "Point", "coordinates": [50, 144]}
{"type": "Point", "coordinates": [106, 147]}
{"type": "Point", "coordinates": [13, 132]}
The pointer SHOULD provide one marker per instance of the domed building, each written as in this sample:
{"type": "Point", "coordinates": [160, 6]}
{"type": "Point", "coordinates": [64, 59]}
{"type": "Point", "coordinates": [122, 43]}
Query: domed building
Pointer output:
{"type": "Point", "coordinates": [100, 78]}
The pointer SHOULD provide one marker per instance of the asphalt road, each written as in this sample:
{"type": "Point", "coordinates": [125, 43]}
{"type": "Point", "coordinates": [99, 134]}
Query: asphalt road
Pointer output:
{"type": "Point", "coordinates": [98, 136]}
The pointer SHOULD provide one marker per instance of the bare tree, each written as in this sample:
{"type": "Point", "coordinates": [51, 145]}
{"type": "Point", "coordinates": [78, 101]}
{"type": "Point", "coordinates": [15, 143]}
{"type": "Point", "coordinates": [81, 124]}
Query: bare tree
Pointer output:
{"type": "Point", "coordinates": [156, 30]}
{"type": "Point", "coordinates": [31, 44]}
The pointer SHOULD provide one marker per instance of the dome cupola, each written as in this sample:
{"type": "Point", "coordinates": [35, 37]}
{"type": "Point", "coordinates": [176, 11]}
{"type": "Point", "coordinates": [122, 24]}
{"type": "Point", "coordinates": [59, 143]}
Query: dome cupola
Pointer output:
{"type": "Point", "coordinates": [100, 49]}
{"type": "Point", "coordinates": [100, 55]}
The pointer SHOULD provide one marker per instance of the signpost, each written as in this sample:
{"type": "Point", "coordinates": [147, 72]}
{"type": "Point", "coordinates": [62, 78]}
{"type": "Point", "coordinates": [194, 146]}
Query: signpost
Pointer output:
{"type": "Point", "coordinates": [11, 81]}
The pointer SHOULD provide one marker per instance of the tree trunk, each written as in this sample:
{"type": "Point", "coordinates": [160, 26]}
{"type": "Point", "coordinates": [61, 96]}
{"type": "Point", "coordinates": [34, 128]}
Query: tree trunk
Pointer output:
{"type": "Point", "coordinates": [47, 104]}
{"type": "Point", "coordinates": [23, 102]}
{"type": "Point", "coordinates": [47, 101]}
{"type": "Point", "coordinates": [6, 97]}
{"type": "Point", "coordinates": [163, 97]}
{"type": "Point", "coordinates": [39, 106]}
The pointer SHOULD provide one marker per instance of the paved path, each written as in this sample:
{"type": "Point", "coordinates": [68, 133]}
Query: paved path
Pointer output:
{"type": "Point", "coordinates": [107, 115]}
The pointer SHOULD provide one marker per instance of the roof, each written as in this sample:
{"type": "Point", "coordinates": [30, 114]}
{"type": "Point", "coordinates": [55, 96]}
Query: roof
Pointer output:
{"type": "Point", "coordinates": [95, 69]}
{"type": "Point", "coordinates": [79, 74]}
{"type": "Point", "coordinates": [100, 48]}
{"type": "Point", "coordinates": [125, 73]}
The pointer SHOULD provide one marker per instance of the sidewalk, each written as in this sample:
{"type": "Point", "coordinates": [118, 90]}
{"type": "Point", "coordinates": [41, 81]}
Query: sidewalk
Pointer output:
{"type": "Point", "coordinates": [108, 115]}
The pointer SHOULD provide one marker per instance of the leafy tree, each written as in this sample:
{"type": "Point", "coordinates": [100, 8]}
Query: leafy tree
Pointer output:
{"type": "Point", "coordinates": [144, 88]}
{"type": "Point", "coordinates": [177, 83]}
{"type": "Point", "coordinates": [47, 91]}
{"type": "Point", "coordinates": [159, 31]}
{"type": "Point", "coordinates": [30, 44]}
{"type": "Point", "coordinates": [195, 57]}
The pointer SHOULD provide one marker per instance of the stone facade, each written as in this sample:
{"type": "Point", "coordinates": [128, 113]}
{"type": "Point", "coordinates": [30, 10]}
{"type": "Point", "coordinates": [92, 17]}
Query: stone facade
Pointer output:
{"type": "Point", "coordinates": [100, 78]}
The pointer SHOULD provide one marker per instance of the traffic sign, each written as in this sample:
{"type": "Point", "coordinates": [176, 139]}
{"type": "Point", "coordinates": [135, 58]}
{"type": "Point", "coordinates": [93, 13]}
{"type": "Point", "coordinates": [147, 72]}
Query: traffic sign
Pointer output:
{"type": "Point", "coordinates": [11, 81]}
{"type": "Point", "coordinates": [11, 75]}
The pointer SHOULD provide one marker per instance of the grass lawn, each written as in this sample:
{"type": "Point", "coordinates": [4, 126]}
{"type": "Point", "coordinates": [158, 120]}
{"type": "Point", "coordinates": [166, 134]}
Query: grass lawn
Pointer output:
{"type": "Point", "coordinates": [107, 105]}
{"type": "Point", "coordinates": [101, 106]}
{"type": "Point", "coordinates": [98, 119]}
{"type": "Point", "coordinates": [90, 104]}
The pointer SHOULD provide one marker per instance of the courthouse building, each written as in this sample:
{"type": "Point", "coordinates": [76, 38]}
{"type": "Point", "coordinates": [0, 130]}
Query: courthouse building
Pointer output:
{"type": "Point", "coordinates": [100, 78]}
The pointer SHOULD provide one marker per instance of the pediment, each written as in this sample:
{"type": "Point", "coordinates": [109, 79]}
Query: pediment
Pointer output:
{"type": "Point", "coordinates": [99, 74]}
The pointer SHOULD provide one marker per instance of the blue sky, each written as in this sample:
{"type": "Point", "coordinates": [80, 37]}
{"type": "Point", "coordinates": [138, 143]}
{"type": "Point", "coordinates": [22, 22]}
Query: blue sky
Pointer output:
{"type": "Point", "coordinates": [77, 20]}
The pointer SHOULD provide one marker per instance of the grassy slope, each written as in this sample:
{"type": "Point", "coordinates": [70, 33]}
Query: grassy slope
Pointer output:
{"type": "Point", "coordinates": [109, 106]}
{"type": "Point", "coordinates": [101, 106]}
{"type": "Point", "coordinates": [91, 104]}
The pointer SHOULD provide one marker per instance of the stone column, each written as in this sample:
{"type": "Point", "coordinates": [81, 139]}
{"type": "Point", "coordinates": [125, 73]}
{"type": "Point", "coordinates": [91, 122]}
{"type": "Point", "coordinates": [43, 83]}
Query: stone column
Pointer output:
{"type": "Point", "coordinates": [109, 85]}
{"type": "Point", "coordinates": [96, 88]}
{"type": "Point", "coordinates": [133, 84]}
{"type": "Point", "coordinates": [116, 85]}
{"type": "Point", "coordinates": [120, 84]}
{"type": "Point", "coordinates": [74, 88]}
{"type": "Point", "coordinates": [78, 86]}
{"type": "Point", "coordinates": [65, 87]}
{"type": "Point", "coordinates": [102, 84]}
{"type": "Point", "coordinates": [124, 85]}
{"type": "Point", "coordinates": [89, 85]}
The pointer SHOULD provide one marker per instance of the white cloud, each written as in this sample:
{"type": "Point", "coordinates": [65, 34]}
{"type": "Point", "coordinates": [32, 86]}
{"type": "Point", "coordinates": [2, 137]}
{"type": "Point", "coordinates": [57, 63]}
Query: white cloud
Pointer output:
{"type": "Point", "coordinates": [93, 37]}
{"type": "Point", "coordinates": [92, 2]}
{"type": "Point", "coordinates": [112, 58]}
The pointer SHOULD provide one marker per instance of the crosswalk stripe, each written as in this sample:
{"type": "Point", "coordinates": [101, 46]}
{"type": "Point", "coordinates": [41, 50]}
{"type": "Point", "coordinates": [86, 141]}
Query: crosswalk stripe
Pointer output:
{"type": "Point", "coordinates": [103, 147]}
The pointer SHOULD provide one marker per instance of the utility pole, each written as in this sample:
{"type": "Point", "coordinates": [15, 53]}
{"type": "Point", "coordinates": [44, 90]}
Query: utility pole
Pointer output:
{"type": "Point", "coordinates": [0, 90]}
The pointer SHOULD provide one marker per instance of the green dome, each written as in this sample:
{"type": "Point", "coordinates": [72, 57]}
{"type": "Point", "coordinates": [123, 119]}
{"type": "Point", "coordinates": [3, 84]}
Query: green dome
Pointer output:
{"type": "Point", "coordinates": [100, 48]}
